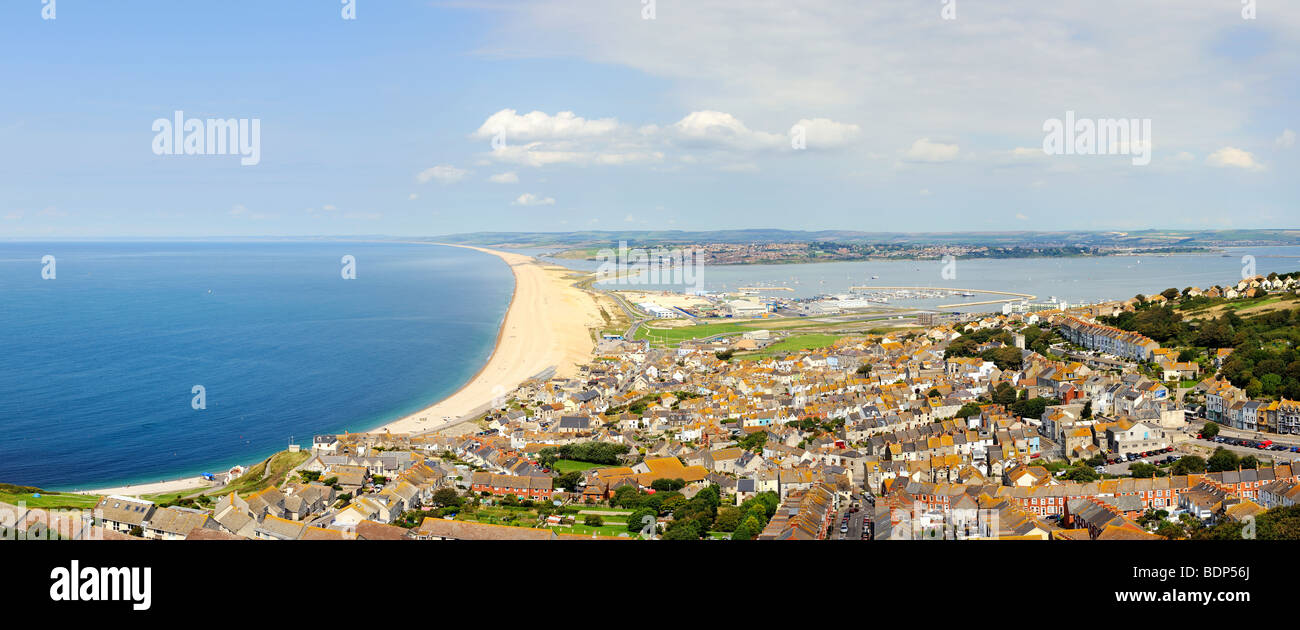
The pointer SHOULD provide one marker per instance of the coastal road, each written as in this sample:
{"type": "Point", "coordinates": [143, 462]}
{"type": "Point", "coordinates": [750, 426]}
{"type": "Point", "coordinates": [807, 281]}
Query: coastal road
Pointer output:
{"type": "Point", "coordinates": [1207, 446]}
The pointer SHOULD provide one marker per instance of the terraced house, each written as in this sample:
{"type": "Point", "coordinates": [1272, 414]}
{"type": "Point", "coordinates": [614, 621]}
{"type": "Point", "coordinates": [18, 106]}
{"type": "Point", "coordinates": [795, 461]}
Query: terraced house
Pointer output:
{"type": "Point", "coordinates": [1108, 339]}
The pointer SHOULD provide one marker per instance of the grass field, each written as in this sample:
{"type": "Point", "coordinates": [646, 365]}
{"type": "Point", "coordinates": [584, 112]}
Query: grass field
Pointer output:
{"type": "Point", "coordinates": [48, 500]}
{"type": "Point", "coordinates": [604, 530]}
{"type": "Point", "coordinates": [569, 465]}
{"type": "Point", "coordinates": [793, 343]}
{"type": "Point", "coordinates": [683, 333]}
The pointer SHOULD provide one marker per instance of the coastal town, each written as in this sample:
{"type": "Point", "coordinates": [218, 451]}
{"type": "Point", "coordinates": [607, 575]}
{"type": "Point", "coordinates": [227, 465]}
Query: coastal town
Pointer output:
{"type": "Point", "coordinates": [1045, 425]}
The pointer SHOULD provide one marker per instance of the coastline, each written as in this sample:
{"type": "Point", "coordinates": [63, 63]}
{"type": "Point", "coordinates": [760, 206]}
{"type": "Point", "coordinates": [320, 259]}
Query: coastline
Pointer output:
{"type": "Point", "coordinates": [546, 327]}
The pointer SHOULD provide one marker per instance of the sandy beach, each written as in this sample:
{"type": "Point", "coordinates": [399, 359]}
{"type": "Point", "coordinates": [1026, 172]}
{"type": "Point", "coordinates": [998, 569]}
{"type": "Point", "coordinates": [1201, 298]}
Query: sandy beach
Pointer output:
{"type": "Point", "coordinates": [157, 487]}
{"type": "Point", "coordinates": [547, 326]}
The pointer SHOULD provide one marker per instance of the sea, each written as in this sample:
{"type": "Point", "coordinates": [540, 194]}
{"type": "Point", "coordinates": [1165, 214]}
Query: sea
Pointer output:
{"type": "Point", "coordinates": [1073, 280]}
{"type": "Point", "coordinates": [145, 361]}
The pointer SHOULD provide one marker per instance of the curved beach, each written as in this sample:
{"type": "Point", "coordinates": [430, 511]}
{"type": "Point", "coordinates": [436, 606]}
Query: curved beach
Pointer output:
{"type": "Point", "coordinates": [546, 327]}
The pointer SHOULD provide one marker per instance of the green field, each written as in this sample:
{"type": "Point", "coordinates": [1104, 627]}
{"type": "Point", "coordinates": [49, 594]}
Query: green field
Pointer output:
{"type": "Point", "coordinates": [569, 465]}
{"type": "Point", "coordinates": [48, 500]}
{"type": "Point", "coordinates": [683, 333]}
{"type": "Point", "coordinates": [793, 343]}
{"type": "Point", "coordinates": [604, 530]}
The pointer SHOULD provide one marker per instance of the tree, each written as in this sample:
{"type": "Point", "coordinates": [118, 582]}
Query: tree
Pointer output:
{"type": "Point", "coordinates": [1210, 430]}
{"type": "Point", "coordinates": [864, 369]}
{"type": "Point", "coordinates": [640, 519]}
{"type": "Point", "coordinates": [593, 520]}
{"type": "Point", "coordinates": [967, 410]}
{"type": "Point", "coordinates": [1004, 394]}
{"type": "Point", "coordinates": [747, 529]}
{"type": "Point", "coordinates": [1170, 293]}
{"type": "Point", "coordinates": [1143, 470]}
{"type": "Point", "coordinates": [667, 485]}
{"type": "Point", "coordinates": [1188, 465]}
{"type": "Point", "coordinates": [1222, 459]}
{"type": "Point", "coordinates": [569, 481]}
{"type": "Point", "coordinates": [683, 530]}
{"type": "Point", "coordinates": [1080, 473]}
{"type": "Point", "coordinates": [728, 519]}
{"type": "Point", "coordinates": [1087, 411]}
{"type": "Point", "coordinates": [754, 441]}
{"type": "Point", "coordinates": [447, 497]}
{"type": "Point", "coordinates": [1171, 530]}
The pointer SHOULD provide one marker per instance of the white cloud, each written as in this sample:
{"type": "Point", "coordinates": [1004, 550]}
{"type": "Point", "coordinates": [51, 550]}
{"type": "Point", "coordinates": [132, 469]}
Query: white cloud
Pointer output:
{"type": "Point", "coordinates": [824, 133]}
{"type": "Point", "coordinates": [505, 178]}
{"type": "Point", "coordinates": [1286, 140]}
{"type": "Point", "coordinates": [1234, 158]}
{"type": "Point", "coordinates": [1021, 216]}
{"type": "Point", "coordinates": [924, 192]}
{"type": "Point", "coordinates": [720, 129]}
{"type": "Point", "coordinates": [542, 126]}
{"type": "Point", "coordinates": [444, 173]}
{"type": "Point", "coordinates": [413, 196]}
{"type": "Point", "coordinates": [924, 150]}
{"type": "Point", "coordinates": [529, 199]}
{"type": "Point", "coordinates": [538, 139]}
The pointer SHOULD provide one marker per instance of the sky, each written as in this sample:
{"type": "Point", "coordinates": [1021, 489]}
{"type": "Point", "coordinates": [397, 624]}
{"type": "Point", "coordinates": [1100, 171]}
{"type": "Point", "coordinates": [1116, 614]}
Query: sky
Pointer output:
{"type": "Point", "coordinates": [422, 118]}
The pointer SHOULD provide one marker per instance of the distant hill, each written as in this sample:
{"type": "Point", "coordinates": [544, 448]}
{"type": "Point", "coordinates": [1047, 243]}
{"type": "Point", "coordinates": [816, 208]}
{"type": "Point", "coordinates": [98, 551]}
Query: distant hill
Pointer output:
{"type": "Point", "coordinates": [1140, 238]}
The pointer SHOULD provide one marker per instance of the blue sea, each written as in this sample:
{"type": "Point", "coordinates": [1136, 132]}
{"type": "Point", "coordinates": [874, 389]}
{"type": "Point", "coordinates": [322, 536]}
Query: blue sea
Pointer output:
{"type": "Point", "coordinates": [98, 366]}
{"type": "Point", "coordinates": [1073, 280]}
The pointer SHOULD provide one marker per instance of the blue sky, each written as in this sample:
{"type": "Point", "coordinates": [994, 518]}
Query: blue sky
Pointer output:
{"type": "Point", "coordinates": [385, 124]}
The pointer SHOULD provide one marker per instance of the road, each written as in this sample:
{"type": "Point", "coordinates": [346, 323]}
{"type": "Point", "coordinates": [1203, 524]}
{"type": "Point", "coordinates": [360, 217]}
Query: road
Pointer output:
{"type": "Point", "coordinates": [1241, 451]}
{"type": "Point", "coordinates": [857, 522]}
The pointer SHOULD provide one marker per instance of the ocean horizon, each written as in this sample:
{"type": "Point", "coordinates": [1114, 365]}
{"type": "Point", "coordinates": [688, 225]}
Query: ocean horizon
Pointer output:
{"type": "Point", "coordinates": [98, 365]}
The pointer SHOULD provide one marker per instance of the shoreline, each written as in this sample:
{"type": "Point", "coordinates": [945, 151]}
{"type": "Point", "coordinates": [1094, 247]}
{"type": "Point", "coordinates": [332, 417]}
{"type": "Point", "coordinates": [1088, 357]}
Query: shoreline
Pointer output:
{"type": "Point", "coordinates": [546, 327]}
